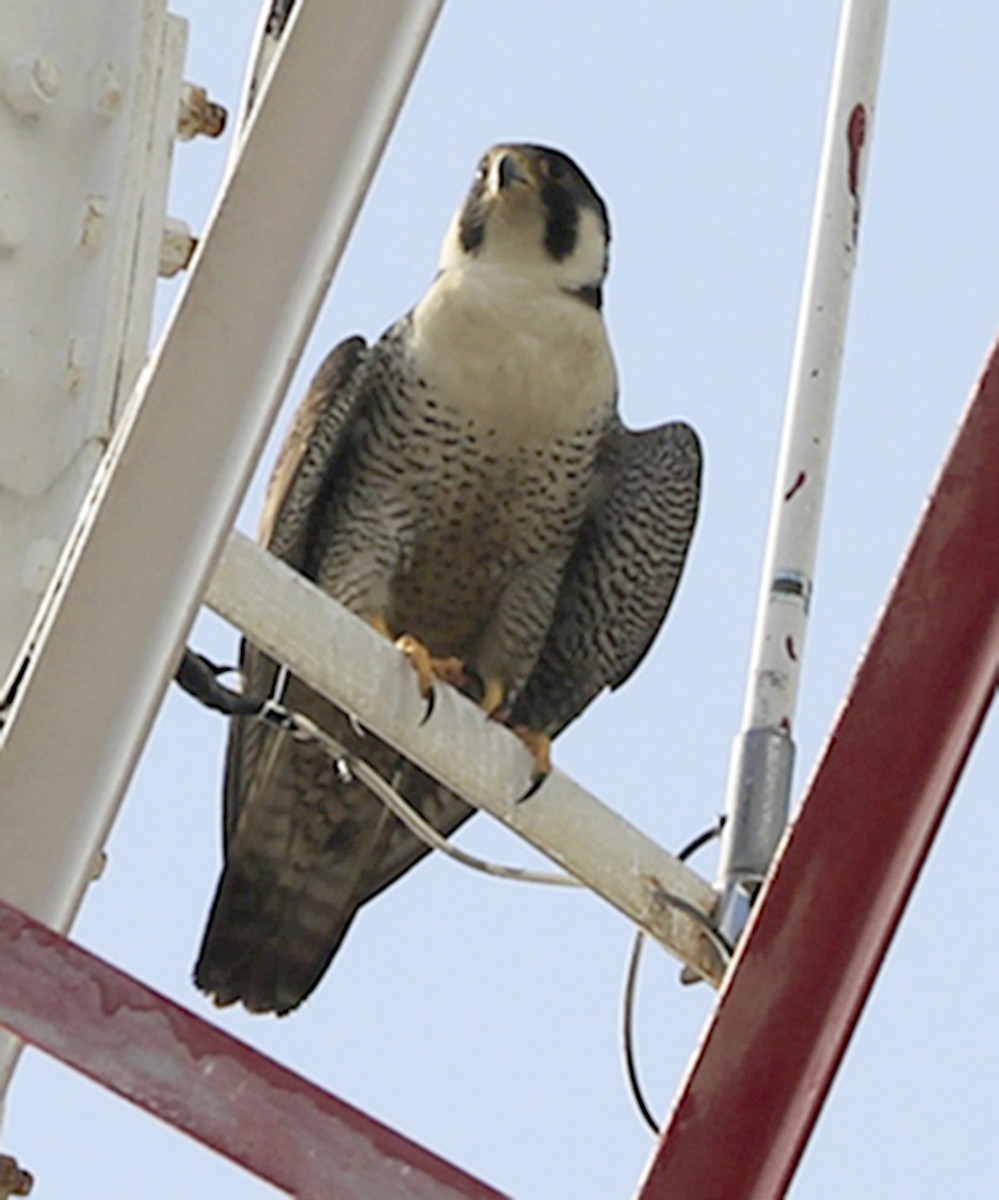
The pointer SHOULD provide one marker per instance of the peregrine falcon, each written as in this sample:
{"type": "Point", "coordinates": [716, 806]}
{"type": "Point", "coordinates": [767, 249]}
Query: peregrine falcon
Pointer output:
{"type": "Point", "coordinates": [465, 485]}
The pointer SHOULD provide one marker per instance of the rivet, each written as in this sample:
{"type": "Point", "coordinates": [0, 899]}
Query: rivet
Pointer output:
{"type": "Point", "coordinates": [28, 85]}
{"type": "Point", "coordinates": [98, 866]}
{"type": "Point", "coordinates": [177, 247]}
{"type": "Point", "coordinates": [198, 114]}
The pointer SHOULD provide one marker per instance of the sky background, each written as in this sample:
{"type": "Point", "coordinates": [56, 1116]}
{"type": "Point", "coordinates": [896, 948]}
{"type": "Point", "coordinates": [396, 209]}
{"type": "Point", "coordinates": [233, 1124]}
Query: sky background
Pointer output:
{"type": "Point", "coordinates": [481, 1017]}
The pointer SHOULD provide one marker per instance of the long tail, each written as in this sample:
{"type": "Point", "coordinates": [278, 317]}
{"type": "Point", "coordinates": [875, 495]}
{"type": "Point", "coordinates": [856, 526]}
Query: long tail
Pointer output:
{"type": "Point", "coordinates": [290, 885]}
{"type": "Point", "coordinates": [310, 846]}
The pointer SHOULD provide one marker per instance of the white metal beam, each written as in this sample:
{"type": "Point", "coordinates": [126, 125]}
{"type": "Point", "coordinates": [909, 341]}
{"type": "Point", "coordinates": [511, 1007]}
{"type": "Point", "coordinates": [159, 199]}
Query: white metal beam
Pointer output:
{"type": "Point", "coordinates": [334, 652]}
{"type": "Point", "coordinates": [88, 108]}
{"type": "Point", "coordinates": [184, 450]}
{"type": "Point", "coordinates": [88, 112]}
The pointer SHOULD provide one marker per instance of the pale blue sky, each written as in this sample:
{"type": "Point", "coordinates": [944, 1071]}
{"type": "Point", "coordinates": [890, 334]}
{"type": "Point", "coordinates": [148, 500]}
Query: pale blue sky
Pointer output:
{"type": "Point", "coordinates": [481, 1017]}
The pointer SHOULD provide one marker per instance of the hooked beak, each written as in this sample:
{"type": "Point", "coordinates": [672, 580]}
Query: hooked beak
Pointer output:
{"type": "Point", "coordinates": [508, 171]}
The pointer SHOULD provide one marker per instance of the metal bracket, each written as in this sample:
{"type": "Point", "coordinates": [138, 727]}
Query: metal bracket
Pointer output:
{"type": "Point", "coordinates": [756, 815]}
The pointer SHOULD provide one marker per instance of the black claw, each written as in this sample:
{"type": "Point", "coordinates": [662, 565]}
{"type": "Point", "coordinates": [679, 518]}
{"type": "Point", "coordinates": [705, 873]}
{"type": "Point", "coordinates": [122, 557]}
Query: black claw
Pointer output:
{"type": "Point", "coordinates": [431, 701]}
{"type": "Point", "coordinates": [536, 783]}
{"type": "Point", "coordinates": [198, 676]}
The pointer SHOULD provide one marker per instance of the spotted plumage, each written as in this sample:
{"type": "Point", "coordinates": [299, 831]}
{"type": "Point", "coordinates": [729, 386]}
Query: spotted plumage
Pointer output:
{"type": "Point", "coordinates": [465, 481]}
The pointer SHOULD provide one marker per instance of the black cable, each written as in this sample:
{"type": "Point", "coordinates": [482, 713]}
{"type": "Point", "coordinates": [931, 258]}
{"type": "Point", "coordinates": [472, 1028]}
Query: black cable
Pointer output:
{"type": "Point", "coordinates": [198, 676]}
{"type": "Point", "coordinates": [631, 983]}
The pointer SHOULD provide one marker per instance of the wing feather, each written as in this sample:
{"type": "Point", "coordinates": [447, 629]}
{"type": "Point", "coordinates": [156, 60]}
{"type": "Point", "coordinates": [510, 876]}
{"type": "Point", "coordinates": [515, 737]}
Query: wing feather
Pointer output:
{"type": "Point", "coordinates": [622, 575]}
{"type": "Point", "coordinates": [309, 453]}
{"type": "Point", "coordinates": [300, 478]}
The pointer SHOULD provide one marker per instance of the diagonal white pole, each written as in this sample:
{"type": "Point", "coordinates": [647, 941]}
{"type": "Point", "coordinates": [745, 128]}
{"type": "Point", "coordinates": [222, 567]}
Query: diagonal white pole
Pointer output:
{"type": "Point", "coordinates": [174, 474]}
{"type": "Point", "coordinates": [760, 774]}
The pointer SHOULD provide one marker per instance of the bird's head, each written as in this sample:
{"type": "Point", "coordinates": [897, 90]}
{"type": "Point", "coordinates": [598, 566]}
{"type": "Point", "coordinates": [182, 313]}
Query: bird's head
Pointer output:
{"type": "Point", "coordinates": [532, 212]}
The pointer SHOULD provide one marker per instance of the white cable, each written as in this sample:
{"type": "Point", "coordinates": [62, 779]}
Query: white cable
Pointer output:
{"type": "Point", "coordinates": [301, 727]}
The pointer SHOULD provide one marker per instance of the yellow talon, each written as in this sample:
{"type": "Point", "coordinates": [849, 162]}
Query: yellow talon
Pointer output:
{"type": "Point", "coordinates": [492, 696]}
{"type": "Point", "coordinates": [380, 625]}
{"type": "Point", "coordinates": [428, 668]}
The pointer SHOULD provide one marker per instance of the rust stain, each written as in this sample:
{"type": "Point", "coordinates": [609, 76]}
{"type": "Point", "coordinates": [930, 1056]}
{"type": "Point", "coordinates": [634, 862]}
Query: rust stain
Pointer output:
{"type": "Point", "coordinates": [856, 132]}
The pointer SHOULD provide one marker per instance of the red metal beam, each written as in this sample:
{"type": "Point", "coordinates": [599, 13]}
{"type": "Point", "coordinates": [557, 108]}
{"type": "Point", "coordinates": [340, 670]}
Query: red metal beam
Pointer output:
{"type": "Point", "coordinates": [820, 931]}
{"type": "Point", "coordinates": [219, 1090]}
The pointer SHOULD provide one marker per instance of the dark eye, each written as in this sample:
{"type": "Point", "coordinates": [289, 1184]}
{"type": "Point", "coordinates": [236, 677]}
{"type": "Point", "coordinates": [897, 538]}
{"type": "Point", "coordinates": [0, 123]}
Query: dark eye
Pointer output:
{"type": "Point", "coordinates": [555, 168]}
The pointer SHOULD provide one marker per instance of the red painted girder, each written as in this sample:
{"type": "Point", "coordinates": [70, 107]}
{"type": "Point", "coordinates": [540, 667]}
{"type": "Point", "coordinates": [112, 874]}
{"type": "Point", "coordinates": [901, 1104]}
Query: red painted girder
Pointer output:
{"type": "Point", "coordinates": [219, 1090]}
{"type": "Point", "coordinates": [820, 931]}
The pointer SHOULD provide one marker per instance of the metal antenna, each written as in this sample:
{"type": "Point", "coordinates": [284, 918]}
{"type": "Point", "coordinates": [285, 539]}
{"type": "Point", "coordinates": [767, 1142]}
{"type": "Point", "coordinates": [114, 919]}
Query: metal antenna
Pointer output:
{"type": "Point", "coordinates": [759, 782]}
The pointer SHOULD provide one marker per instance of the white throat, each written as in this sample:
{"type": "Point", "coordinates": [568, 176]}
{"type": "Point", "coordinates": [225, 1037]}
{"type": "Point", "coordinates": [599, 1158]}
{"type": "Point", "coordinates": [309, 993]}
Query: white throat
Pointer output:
{"type": "Point", "coordinates": [510, 349]}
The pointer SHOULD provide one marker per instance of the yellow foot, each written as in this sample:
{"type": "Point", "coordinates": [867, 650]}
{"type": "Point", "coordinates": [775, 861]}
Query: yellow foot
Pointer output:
{"type": "Point", "coordinates": [492, 696]}
{"type": "Point", "coordinates": [428, 669]}
{"type": "Point", "coordinates": [540, 746]}
{"type": "Point", "coordinates": [380, 625]}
